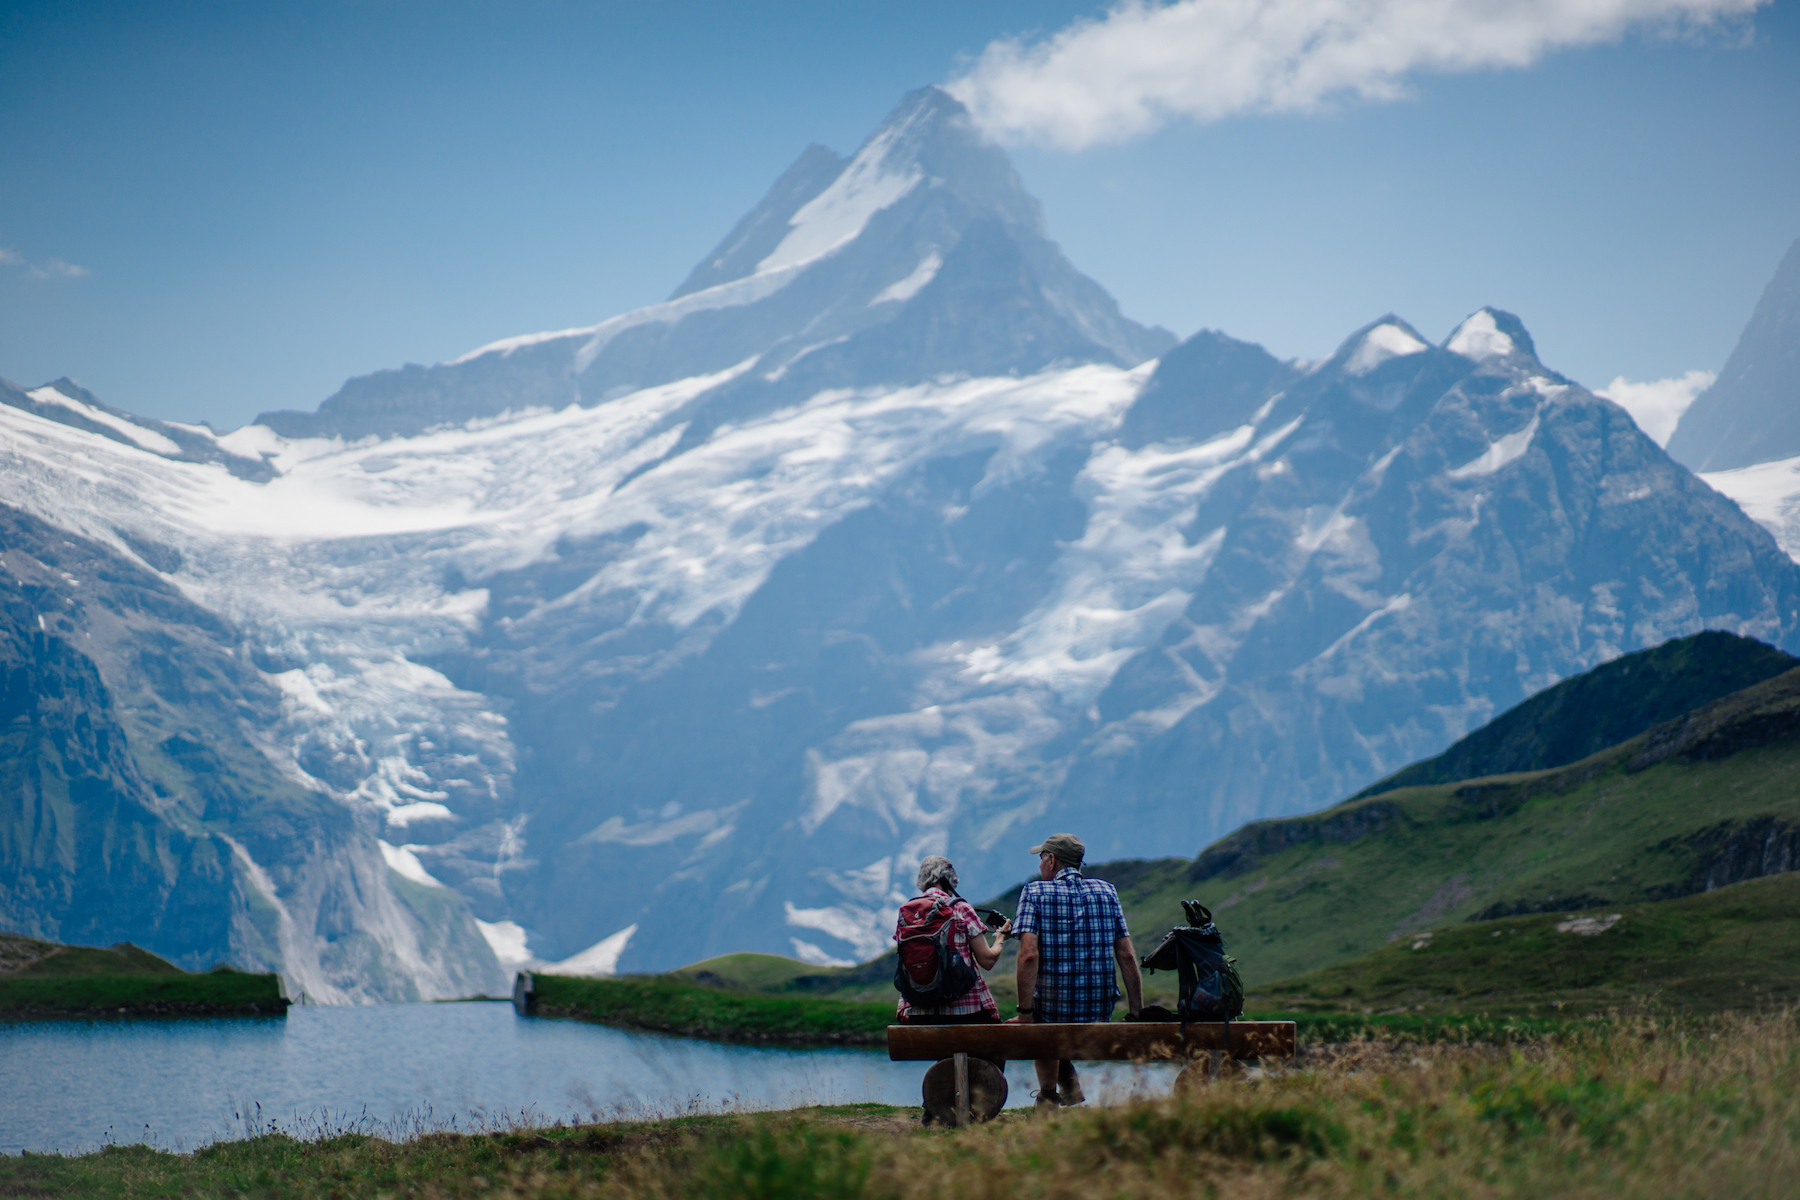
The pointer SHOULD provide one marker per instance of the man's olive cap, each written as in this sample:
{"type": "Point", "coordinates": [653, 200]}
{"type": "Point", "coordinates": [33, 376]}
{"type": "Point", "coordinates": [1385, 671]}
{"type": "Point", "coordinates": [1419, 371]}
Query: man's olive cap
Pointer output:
{"type": "Point", "coordinates": [1066, 846]}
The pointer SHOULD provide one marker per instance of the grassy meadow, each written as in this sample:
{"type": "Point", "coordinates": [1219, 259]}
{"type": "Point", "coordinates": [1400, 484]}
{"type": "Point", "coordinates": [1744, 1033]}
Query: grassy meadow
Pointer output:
{"type": "Point", "coordinates": [671, 1004]}
{"type": "Point", "coordinates": [1695, 1107]}
{"type": "Point", "coordinates": [46, 979]}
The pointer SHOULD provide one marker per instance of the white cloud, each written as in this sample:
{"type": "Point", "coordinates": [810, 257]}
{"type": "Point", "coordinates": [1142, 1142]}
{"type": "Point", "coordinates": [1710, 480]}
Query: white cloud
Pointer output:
{"type": "Point", "coordinates": [56, 268]}
{"type": "Point", "coordinates": [50, 268]}
{"type": "Point", "coordinates": [1142, 64]}
{"type": "Point", "coordinates": [1656, 406]}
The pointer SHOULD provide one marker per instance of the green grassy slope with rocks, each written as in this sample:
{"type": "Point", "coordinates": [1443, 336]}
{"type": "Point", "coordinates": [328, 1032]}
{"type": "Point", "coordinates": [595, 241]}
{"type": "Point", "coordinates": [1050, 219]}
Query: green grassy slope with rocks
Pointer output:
{"type": "Point", "coordinates": [1737, 948]}
{"type": "Point", "coordinates": [40, 978]}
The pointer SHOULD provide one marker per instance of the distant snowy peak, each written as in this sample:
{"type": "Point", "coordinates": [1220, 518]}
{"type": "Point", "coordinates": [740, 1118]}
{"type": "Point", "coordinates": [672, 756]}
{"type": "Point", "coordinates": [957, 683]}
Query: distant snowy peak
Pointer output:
{"type": "Point", "coordinates": [919, 257]}
{"type": "Point", "coordinates": [1491, 333]}
{"type": "Point", "coordinates": [1389, 338]}
{"type": "Point", "coordinates": [1752, 413]}
{"type": "Point", "coordinates": [764, 227]}
{"type": "Point", "coordinates": [821, 205]}
{"type": "Point", "coordinates": [875, 179]}
{"type": "Point", "coordinates": [1479, 338]}
{"type": "Point", "coordinates": [823, 201]}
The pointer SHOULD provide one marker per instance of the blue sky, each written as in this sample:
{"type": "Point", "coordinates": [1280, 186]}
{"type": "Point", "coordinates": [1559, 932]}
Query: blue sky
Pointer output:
{"type": "Point", "coordinates": [209, 210]}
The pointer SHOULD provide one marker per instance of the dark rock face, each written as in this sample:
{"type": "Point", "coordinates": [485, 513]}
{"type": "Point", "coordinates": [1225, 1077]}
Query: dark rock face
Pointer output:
{"type": "Point", "coordinates": [1765, 846]}
{"type": "Point", "coordinates": [1731, 852]}
{"type": "Point", "coordinates": [1751, 414]}
{"type": "Point", "coordinates": [1613, 703]}
{"type": "Point", "coordinates": [1207, 386]}
{"type": "Point", "coordinates": [1556, 904]}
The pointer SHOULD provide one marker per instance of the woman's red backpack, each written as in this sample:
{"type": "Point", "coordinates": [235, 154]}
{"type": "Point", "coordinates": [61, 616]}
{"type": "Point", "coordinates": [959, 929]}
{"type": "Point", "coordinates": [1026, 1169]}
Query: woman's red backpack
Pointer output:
{"type": "Point", "coordinates": [930, 971]}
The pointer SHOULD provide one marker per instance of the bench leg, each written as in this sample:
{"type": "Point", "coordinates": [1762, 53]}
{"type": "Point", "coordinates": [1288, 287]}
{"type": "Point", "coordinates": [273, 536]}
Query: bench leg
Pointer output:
{"type": "Point", "coordinates": [1215, 1066]}
{"type": "Point", "coordinates": [964, 1089]}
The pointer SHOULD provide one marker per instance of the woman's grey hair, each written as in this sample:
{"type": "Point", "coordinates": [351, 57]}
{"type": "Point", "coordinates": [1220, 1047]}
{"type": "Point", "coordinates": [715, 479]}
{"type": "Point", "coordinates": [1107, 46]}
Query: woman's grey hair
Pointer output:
{"type": "Point", "coordinates": [936, 871]}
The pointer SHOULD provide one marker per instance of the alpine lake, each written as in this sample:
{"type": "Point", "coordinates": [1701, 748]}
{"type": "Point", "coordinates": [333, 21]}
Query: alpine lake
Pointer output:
{"type": "Point", "coordinates": [400, 1070]}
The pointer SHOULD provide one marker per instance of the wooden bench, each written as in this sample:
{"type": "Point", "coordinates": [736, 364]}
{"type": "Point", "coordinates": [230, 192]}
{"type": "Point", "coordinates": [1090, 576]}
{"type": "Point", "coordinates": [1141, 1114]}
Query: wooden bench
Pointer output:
{"type": "Point", "coordinates": [964, 1085]}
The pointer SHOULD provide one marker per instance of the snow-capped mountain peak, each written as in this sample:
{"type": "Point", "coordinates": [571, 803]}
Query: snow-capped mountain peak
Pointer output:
{"type": "Point", "coordinates": [1386, 339]}
{"type": "Point", "coordinates": [1490, 333]}
{"type": "Point", "coordinates": [920, 256]}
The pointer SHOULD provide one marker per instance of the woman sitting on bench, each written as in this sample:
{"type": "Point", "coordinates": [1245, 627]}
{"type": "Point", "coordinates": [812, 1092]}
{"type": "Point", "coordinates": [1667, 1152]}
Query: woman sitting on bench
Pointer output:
{"type": "Point", "coordinates": [937, 887]}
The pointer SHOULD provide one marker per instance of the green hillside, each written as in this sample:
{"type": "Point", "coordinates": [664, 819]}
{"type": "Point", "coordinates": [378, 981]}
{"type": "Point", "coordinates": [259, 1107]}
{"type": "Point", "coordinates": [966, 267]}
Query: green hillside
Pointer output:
{"type": "Point", "coordinates": [40, 978]}
{"type": "Point", "coordinates": [1600, 708]}
{"type": "Point", "coordinates": [1732, 949]}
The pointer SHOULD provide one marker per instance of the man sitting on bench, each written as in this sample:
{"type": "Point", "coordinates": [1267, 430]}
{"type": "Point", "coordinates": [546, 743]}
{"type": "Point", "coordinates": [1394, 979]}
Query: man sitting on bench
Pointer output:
{"type": "Point", "coordinates": [1071, 934]}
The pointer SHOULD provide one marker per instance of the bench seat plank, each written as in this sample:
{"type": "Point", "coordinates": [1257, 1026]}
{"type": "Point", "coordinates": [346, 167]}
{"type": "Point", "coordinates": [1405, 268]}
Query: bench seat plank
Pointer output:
{"type": "Point", "coordinates": [1117, 1040]}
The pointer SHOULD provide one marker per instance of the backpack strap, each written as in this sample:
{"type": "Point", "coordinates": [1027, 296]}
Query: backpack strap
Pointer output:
{"type": "Point", "coordinates": [1188, 979]}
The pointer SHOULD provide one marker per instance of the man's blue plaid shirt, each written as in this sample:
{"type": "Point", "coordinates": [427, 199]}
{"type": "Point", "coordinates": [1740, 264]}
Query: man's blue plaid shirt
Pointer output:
{"type": "Point", "coordinates": [1076, 920]}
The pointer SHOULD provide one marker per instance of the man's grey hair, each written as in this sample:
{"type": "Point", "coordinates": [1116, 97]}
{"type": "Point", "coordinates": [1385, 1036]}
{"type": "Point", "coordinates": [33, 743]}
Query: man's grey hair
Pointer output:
{"type": "Point", "coordinates": [936, 871]}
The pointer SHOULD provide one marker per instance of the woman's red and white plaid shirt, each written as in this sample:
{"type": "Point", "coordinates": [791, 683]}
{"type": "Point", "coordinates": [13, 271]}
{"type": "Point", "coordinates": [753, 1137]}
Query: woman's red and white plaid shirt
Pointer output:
{"type": "Point", "coordinates": [964, 924]}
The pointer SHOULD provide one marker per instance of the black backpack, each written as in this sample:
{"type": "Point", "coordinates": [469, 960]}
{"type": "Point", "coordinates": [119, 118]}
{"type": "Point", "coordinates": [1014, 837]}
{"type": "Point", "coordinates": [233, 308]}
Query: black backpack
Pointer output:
{"type": "Point", "coordinates": [930, 972]}
{"type": "Point", "coordinates": [1210, 987]}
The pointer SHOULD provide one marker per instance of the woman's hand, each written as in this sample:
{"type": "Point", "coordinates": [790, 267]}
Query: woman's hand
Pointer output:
{"type": "Point", "coordinates": [1005, 928]}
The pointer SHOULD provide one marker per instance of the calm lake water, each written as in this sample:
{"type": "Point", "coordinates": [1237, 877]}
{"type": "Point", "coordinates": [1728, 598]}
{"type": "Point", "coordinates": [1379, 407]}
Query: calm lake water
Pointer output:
{"type": "Point", "coordinates": [400, 1069]}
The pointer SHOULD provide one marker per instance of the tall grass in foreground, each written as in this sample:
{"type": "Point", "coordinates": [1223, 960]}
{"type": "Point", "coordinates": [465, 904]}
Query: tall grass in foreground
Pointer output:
{"type": "Point", "coordinates": [1689, 1109]}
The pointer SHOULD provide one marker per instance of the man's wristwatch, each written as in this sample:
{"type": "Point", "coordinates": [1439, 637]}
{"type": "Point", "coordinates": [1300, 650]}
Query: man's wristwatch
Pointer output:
{"type": "Point", "coordinates": [1027, 1012]}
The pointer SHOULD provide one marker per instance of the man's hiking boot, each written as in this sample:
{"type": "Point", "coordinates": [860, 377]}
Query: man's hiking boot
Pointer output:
{"type": "Point", "coordinates": [1046, 1102]}
{"type": "Point", "coordinates": [1068, 1085]}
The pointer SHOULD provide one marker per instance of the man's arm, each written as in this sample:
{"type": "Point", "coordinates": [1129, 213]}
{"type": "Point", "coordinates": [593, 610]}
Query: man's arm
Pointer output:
{"type": "Point", "coordinates": [1126, 956]}
{"type": "Point", "coordinates": [1028, 973]}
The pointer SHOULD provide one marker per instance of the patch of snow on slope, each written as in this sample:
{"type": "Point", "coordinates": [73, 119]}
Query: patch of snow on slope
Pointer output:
{"type": "Point", "coordinates": [733, 294]}
{"type": "Point", "coordinates": [719, 517]}
{"type": "Point", "coordinates": [1131, 572]}
{"type": "Point", "coordinates": [147, 439]}
{"type": "Point", "coordinates": [849, 923]}
{"type": "Point", "coordinates": [906, 289]}
{"type": "Point", "coordinates": [508, 940]}
{"type": "Point", "coordinates": [1657, 406]}
{"type": "Point", "coordinates": [838, 214]}
{"type": "Point", "coordinates": [1500, 452]}
{"type": "Point", "coordinates": [601, 958]}
{"type": "Point", "coordinates": [1380, 344]}
{"type": "Point", "coordinates": [1479, 338]}
{"type": "Point", "coordinates": [712, 822]}
{"type": "Point", "coordinates": [1769, 494]}
{"type": "Point", "coordinates": [406, 864]}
